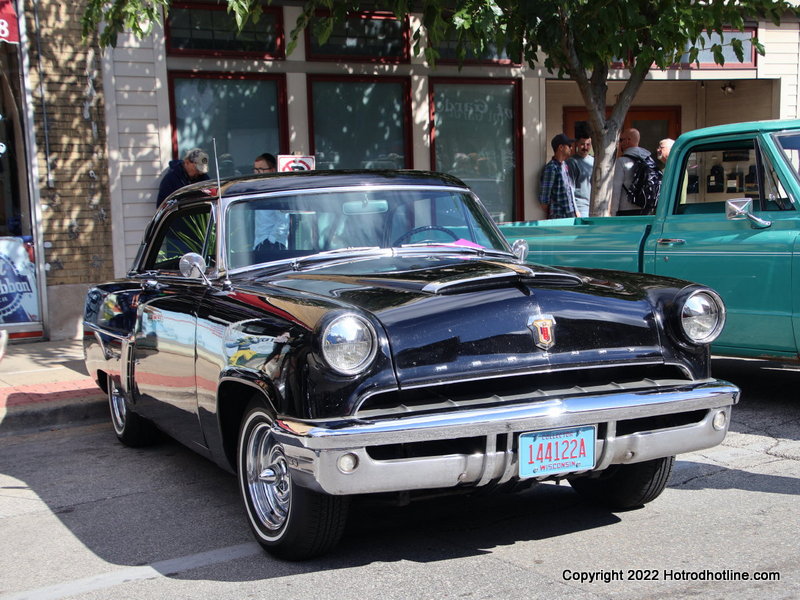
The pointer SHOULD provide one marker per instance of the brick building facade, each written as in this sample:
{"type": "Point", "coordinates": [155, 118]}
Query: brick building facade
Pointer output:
{"type": "Point", "coordinates": [62, 94]}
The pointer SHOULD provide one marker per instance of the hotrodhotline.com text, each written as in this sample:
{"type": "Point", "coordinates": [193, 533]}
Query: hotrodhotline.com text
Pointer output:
{"type": "Point", "coordinates": [607, 576]}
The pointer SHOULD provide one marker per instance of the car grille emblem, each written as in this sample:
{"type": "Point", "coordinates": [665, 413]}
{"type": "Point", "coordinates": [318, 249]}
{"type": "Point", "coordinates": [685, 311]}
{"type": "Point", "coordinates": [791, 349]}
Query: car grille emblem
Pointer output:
{"type": "Point", "coordinates": [543, 329]}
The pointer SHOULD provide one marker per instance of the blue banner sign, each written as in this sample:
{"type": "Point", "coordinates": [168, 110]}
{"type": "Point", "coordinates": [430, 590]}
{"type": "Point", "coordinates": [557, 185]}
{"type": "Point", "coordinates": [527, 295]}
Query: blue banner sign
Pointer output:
{"type": "Point", "coordinates": [19, 296]}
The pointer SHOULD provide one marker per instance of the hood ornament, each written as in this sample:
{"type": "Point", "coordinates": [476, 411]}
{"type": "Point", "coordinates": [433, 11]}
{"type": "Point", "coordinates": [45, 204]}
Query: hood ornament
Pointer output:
{"type": "Point", "coordinates": [543, 329]}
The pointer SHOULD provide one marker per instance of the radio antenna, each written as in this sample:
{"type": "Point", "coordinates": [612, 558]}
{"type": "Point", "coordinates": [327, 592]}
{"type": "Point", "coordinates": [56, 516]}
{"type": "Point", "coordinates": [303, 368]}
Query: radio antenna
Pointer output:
{"type": "Point", "coordinates": [216, 166]}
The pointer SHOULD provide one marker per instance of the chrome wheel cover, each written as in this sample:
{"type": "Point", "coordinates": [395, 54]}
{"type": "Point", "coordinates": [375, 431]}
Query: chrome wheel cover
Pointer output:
{"type": "Point", "coordinates": [119, 411]}
{"type": "Point", "coordinates": [267, 479]}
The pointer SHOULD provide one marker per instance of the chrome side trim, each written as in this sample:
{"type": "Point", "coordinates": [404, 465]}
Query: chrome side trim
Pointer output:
{"type": "Point", "coordinates": [97, 329]}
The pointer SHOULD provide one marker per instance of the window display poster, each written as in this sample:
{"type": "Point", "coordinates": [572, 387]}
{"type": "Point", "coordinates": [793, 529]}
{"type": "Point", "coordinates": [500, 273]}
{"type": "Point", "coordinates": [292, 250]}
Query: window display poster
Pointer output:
{"type": "Point", "coordinates": [19, 296]}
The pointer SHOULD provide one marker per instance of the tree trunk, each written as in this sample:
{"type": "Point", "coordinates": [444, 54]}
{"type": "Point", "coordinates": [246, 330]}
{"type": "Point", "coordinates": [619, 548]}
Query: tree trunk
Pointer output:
{"type": "Point", "coordinates": [605, 131]}
{"type": "Point", "coordinates": [605, 152]}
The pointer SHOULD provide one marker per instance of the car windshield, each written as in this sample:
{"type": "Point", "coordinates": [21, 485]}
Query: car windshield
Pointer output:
{"type": "Point", "coordinates": [302, 224]}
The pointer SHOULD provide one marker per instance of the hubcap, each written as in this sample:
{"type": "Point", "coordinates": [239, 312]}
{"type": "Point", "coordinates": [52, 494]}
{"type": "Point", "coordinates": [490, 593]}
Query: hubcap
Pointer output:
{"type": "Point", "coordinates": [116, 402]}
{"type": "Point", "coordinates": [268, 478]}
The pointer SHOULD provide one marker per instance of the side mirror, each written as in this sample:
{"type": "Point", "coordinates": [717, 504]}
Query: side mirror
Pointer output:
{"type": "Point", "coordinates": [742, 208]}
{"type": "Point", "coordinates": [193, 266]}
{"type": "Point", "coordinates": [520, 249]}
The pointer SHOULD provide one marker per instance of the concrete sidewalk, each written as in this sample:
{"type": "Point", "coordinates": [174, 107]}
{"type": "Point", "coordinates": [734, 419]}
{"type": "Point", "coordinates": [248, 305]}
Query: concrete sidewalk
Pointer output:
{"type": "Point", "coordinates": [44, 384]}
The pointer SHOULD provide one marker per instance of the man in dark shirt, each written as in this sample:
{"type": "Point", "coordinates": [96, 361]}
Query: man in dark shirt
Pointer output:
{"type": "Point", "coordinates": [193, 168]}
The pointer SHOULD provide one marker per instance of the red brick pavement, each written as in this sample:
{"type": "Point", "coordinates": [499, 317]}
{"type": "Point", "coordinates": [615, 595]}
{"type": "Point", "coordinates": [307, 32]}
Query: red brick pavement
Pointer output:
{"type": "Point", "coordinates": [48, 392]}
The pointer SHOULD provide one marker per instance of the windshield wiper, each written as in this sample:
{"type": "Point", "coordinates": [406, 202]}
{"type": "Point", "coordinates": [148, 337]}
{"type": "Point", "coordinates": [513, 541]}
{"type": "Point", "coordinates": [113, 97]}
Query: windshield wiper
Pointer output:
{"type": "Point", "coordinates": [454, 248]}
{"type": "Point", "coordinates": [355, 251]}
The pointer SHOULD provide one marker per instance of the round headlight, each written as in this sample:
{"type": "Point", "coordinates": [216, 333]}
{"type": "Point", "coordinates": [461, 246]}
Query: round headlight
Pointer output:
{"type": "Point", "coordinates": [348, 344]}
{"type": "Point", "coordinates": [702, 317]}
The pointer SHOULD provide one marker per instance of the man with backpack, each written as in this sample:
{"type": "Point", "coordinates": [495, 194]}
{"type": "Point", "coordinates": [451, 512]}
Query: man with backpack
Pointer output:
{"type": "Point", "coordinates": [637, 179]}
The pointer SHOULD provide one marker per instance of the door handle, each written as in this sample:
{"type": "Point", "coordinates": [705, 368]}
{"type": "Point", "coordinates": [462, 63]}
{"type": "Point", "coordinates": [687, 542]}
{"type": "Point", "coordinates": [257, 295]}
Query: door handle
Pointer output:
{"type": "Point", "coordinates": [671, 242]}
{"type": "Point", "coordinates": [151, 285]}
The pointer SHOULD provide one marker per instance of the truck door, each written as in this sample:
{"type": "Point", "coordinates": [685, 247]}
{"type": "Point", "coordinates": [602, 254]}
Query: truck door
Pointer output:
{"type": "Point", "coordinates": [749, 264]}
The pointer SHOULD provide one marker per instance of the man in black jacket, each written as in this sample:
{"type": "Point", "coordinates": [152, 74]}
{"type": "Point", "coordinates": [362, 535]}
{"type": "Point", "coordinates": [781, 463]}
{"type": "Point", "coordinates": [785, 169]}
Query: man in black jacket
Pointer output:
{"type": "Point", "coordinates": [193, 168]}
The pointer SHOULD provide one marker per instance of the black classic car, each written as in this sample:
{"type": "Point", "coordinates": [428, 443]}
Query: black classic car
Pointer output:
{"type": "Point", "coordinates": [329, 334]}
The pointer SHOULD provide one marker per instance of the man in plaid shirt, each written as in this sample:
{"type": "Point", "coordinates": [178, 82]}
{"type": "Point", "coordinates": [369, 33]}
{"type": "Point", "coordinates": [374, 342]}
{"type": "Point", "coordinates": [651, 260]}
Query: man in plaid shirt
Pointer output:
{"type": "Point", "coordinates": [557, 190]}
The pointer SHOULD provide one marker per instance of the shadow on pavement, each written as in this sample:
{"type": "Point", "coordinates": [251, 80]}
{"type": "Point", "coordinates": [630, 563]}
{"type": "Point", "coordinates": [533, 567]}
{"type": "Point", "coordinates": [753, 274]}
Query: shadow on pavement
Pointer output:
{"type": "Point", "coordinates": [697, 476]}
{"type": "Point", "coordinates": [135, 507]}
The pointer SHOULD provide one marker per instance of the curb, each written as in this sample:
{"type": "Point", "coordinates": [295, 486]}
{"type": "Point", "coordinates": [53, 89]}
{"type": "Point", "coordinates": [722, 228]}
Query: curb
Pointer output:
{"type": "Point", "coordinates": [58, 410]}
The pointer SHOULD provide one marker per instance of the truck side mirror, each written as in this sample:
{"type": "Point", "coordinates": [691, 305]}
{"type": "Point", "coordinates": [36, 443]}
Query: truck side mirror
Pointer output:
{"type": "Point", "coordinates": [742, 208]}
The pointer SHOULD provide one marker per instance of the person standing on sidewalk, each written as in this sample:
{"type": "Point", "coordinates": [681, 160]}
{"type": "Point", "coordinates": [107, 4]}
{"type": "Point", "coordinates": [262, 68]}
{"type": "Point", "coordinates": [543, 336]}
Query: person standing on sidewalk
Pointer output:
{"type": "Point", "coordinates": [557, 190]}
{"type": "Point", "coordinates": [624, 168]}
{"type": "Point", "coordinates": [580, 167]}
{"type": "Point", "coordinates": [191, 169]}
{"type": "Point", "coordinates": [265, 163]}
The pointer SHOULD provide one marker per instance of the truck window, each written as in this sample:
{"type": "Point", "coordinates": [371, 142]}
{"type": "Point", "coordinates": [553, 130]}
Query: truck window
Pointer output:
{"type": "Point", "coordinates": [713, 174]}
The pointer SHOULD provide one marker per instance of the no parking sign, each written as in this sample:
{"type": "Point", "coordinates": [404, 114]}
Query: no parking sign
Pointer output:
{"type": "Point", "coordinates": [294, 162]}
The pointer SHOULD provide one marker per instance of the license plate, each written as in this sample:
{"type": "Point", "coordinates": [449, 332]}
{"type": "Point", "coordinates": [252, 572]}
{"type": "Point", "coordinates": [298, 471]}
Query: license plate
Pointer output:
{"type": "Point", "coordinates": [557, 451]}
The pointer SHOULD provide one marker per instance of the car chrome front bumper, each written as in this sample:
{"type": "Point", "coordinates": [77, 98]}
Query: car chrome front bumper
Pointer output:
{"type": "Point", "coordinates": [314, 448]}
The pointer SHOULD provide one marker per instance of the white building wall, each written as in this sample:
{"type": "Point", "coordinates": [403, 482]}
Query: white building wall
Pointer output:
{"type": "Point", "coordinates": [139, 147]}
{"type": "Point", "coordinates": [781, 63]}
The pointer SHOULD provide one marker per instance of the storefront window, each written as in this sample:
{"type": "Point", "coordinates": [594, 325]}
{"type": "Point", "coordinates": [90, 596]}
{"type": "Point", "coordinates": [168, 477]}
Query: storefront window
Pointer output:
{"type": "Point", "coordinates": [448, 54]}
{"type": "Point", "coordinates": [19, 291]}
{"type": "Point", "coordinates": [475, 138]}
{"type": "Point", "coordinates": [245, 114]}
{"type": "Point", "coordinates": [209, 29]}
{"type": "Point", "coordinates": [370, 37]}
{"type": "Point", "coordinates": [361, 123]}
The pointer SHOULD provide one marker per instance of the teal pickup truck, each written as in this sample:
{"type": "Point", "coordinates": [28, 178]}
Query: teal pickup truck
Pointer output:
{"type": "Point", "coordinates": [728, 216]}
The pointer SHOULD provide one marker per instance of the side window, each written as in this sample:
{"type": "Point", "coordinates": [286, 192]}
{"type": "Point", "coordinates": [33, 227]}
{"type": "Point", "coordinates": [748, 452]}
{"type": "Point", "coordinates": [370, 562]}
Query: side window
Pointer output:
{"type": "Point", "coordinates": [713, 174]}
{"type": "Point", "coordinates": [189, 230]}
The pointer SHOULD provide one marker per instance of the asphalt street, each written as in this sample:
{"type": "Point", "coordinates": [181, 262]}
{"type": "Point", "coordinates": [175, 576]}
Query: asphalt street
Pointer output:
{"type": "Point", "coordinates": [82, 516]}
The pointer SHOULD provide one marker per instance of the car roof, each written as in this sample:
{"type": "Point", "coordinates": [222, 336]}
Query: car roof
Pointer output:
{"type": "Point", "coordinates": [309, 180]}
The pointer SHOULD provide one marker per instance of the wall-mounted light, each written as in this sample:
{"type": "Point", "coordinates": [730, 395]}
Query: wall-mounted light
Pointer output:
{"type": "Point", "coordinates": [728, 88]}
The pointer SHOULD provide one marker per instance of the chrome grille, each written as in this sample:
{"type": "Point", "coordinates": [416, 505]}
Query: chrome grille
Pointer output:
{"type": "Point", "coordinates": [521, 389]}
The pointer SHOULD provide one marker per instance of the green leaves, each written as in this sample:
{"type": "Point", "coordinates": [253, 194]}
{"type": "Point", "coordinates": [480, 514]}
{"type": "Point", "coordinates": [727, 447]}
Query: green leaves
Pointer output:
{"type": "Point", "coordinates": [245, 10]}
{"type": "Point", "coordinates": [109, 19]}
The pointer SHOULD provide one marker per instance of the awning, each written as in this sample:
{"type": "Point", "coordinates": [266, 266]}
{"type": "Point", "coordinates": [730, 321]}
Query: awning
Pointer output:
{"type": "Point", "coordinates": [9, 30]}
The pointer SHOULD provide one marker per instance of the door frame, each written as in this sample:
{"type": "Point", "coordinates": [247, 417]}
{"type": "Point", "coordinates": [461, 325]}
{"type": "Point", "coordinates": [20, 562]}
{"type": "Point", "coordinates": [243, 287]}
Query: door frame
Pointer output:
{"type": "Point", "coordinates": [670, 114]}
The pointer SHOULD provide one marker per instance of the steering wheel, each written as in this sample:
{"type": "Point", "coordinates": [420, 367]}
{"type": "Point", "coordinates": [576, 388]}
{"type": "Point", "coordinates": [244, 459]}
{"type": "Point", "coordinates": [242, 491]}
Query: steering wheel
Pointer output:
{"type": "Point", "coordinates": [410, 234]}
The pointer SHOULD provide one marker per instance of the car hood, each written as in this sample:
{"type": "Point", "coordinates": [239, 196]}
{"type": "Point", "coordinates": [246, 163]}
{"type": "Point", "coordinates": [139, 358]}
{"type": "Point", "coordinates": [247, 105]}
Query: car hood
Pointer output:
{"type": "Point", "coordinates": [451, 317]}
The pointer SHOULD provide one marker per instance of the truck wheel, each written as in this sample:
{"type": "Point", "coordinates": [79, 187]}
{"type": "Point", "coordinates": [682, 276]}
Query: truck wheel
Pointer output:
{"type": "Point", "coordinates": [289, 521]}
{"type": "Point", "coordinates": [131, 429]}
{"type": "Point", "coordinates": [626, 486]}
